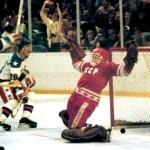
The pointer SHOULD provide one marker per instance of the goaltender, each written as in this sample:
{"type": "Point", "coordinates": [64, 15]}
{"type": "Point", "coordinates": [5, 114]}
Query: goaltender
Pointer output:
{"type": "Point", "coordinates": [86, 96]}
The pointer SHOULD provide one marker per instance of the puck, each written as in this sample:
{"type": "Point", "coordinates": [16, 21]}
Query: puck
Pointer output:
{"type": "Point", "coordinates": [122, 130]}
{"type": "Point", "coordinates": [2, 148]}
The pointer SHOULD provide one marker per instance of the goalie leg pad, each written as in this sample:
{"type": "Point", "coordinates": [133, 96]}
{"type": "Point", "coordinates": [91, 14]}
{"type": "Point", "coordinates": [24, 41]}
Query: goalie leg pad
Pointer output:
{"type": "Point", "coordinates": [89, 134]}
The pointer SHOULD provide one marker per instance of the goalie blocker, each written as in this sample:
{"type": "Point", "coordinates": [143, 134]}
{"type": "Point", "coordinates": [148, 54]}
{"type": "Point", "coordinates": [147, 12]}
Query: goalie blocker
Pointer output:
{"type": "Point", "coordinates": [76, 52]}
{"type": "Point", "coordinates": [87, 134]}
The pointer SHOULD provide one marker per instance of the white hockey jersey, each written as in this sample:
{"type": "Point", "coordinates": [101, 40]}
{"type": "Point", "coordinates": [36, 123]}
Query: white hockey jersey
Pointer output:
{"type": "Point", "coordinates": [12, 68]}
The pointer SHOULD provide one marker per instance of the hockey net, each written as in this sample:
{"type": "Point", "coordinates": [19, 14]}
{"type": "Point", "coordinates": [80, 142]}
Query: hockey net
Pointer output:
{"type": "Point", "coordinates": [130, 99]}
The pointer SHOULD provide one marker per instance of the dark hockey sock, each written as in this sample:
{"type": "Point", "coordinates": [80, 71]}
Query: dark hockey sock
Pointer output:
{"type": "Point", "coordinates": [6, 111]}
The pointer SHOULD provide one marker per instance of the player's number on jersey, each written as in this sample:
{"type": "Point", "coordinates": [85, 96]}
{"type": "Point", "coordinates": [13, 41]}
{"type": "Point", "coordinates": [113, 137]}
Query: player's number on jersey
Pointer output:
{"type": "Point", "coordinates": [13, 76]}
{"type": "Point", "coordinates": [91, 70]}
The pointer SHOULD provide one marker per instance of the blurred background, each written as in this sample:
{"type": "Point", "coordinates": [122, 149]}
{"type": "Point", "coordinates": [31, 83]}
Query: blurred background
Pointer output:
{"type": "Point", "coordinates": [90, 19]}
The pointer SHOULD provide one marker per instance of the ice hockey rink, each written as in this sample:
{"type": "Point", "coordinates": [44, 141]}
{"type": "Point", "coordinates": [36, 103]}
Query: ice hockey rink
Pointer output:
{"type": "Point", "coordinates": [48, 134]}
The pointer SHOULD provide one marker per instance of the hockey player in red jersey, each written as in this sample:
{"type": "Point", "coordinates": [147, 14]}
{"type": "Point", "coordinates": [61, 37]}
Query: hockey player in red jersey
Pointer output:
{"type": "Point", "coordinates": [15, 72]}
{"type": "Point", "coordinates": [86, 96]}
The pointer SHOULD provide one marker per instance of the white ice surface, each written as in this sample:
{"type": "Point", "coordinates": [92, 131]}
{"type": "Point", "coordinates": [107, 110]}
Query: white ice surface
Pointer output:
{"type": "Point", "coordinates": [48, 134]}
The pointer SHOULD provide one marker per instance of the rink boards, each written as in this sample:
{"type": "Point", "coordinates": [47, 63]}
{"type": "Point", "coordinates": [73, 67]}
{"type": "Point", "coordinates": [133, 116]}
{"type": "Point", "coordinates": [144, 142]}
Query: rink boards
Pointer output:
{"type": "Point", "coordinates": [54, 74]}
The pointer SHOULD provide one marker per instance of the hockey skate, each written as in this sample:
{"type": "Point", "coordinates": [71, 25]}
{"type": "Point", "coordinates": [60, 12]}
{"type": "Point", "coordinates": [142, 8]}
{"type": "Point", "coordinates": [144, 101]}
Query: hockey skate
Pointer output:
{"type": "Point", "coordinates": [5, 126]}
{"type": "Point", "coordinates": [27, 123]}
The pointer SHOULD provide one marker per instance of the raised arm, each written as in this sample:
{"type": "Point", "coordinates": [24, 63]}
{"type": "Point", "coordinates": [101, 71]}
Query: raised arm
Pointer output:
{"type": "Point", "coordinates": [76, 52]}
{"type": "Point", "coordinates": [59, 12]}
{"type": "Point", "coordinates": [131, 56]}
{"type": "Point", "coordinates": [43, 12]}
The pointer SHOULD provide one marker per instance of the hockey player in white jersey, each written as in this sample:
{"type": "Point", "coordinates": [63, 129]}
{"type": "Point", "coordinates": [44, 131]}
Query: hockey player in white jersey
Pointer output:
{"type": "Point", "coordinates": [15, 72]}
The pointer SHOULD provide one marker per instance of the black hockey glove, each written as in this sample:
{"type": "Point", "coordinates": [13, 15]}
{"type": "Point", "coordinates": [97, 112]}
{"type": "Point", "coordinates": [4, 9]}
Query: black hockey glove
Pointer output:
{"type": "Point", "coordinates": [23, 75]}
{"type": "Point", "coordinates": [132, 54]}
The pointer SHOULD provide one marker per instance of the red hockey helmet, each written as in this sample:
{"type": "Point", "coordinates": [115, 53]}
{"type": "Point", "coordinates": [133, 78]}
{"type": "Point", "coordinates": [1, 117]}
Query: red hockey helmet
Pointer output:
{"type": "Point", "coordinates": [100, 55]}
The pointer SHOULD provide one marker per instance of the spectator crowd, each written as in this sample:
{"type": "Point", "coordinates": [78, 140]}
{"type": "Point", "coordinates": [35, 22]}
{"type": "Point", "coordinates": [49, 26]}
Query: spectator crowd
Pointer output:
{"type": "Point", "coordinates": [100, 19]}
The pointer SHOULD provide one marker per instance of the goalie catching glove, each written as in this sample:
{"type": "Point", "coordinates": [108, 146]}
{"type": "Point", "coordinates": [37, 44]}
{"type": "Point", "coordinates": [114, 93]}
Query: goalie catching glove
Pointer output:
{"type": "Point", "coordinates": [132, 54]}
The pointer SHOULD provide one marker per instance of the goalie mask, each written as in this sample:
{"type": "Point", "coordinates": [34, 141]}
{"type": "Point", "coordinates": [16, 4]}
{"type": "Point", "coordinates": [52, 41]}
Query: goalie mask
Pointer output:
{"type": "Point", "coordinates": [100, 55]}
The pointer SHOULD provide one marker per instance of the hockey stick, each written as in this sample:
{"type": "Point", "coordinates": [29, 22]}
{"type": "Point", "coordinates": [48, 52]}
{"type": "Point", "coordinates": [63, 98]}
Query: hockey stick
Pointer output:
{"type": "Point", "coordinates": [19, 15]}
{"type": "Point", "coordinates": [16, 83]}
{"type": "Point", "coordinates": [14, 113]}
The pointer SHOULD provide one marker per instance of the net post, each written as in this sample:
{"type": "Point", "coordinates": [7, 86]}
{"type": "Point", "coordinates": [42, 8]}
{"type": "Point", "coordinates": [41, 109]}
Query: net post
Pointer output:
{"type": "Point", "coordinates": [111, 96]}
